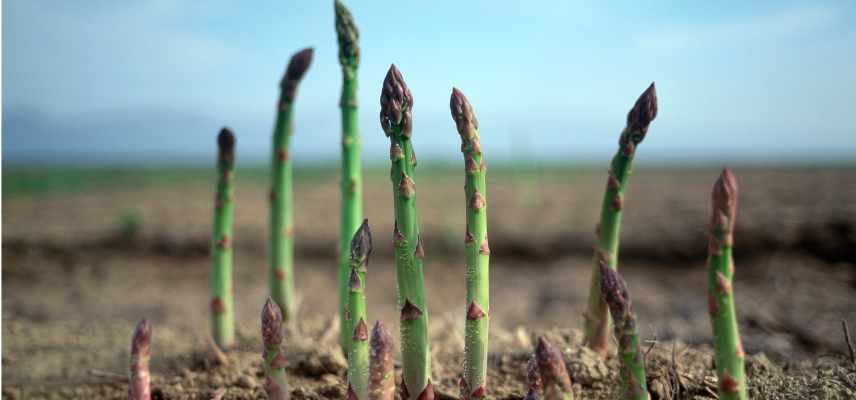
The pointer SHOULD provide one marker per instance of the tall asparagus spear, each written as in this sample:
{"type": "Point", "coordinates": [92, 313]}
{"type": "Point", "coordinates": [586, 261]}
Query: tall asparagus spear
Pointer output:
{"type": "Point", "coordinates": [396, 104]}
{"type": "Point", "coordinates": [139, 377]}
{"type": "Point", "coordinates": [727, 344]}
{"type": "Point", "coordinates": [381, 374]}
{"type": "Point", "coordinates": [606, 251]}
{"type": "Point", "coordinates": [352, 182]}
{"type": "Point", "coordinates": [220, 281]}
{"type": "Point", "coordinates": [554, 375]}
{"type": "Point", "coordinates": [281, 241]}
{"type": "Point", "coordinates": [273, 358]}
{"type": "Point", "coordinates": [474, 381]}
{"type": "Point", "coordinates": [615, 294]}
{"type": "Point", "coordinates": [358, 359]}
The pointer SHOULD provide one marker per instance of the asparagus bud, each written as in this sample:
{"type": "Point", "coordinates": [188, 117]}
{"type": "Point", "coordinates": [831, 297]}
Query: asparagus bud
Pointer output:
{"type": "Point", "coordinates": [381, 374]}
{"type": "Point", "coordinates": [554, 375]}
{"type": "Point", "coordinates": [608, 233]}
{"type": "Point", "coordinates": [220, 281]}
{"type": "Point", "coordinates": [474, 380]}
{"type": "Point", "coordinates": [727, 344]}
{"type": "Point", "coordinates": [617, 297]}
{"type": "Point", "coordinates": [297, 67]}
{"type": "Point", "coordinates": [396, 104]}
{"type": "Point", "coordinates": [273, 357]}
{"type": "Point", "coordinates": [358, 358]}
{"type": "Point", "coordinates": [140, 378]}
{"type": "Point", "coordinates": [348, 36]}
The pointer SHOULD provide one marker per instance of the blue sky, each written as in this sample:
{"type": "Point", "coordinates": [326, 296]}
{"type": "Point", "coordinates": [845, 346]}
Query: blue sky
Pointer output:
{"type": "Point", "coordinates": [133, 82]}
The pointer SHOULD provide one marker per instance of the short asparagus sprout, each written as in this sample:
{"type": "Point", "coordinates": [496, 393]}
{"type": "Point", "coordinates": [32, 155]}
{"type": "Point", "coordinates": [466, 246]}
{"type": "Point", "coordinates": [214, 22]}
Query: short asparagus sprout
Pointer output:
{"type": "Point", "coordinates": [351, 182]}
{"type": "Point", "coordinates": [608, 230]}
{"type": "Point", "coordinates": [616, 296]}
{"type": "Point", "coordinates": [554, 376]}
{"type": "Point", "coordinates": [281, 231]}
{"type": "Point", "coordinates": [220, 280]}
{"type": "Point", "coordinates": [273, 357]}
{"type": "Point", "coordinates": [140, 377]}
{"type": "Point", "coordinates": [396, 107]}
{"type": "Point", "coordinates": [727, 344]}
{"type": "Point", "coordinates": [534, 382]}
{"type": "Point", "coordinates": [474, 381]}
{"type": "Point", "coordinates": [381, 373]}
{"type": "Point", "coordinates": [358, 359]}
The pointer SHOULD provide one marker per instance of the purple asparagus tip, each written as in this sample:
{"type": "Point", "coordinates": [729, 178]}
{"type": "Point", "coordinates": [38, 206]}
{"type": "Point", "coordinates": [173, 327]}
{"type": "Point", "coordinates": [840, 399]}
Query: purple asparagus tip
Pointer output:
{"type": "Point", "coordinates": [361, 244]}
{"type": "Point", "coordinates": [396, 104]}
{"type": "Point", "coordinates": [297, 67]}
{"type": "Point", "coordinates": [614, 291]}
{"type": "Point", "coordinates": [462, 113]}
{"type": "Point", "coordinates": [226, 142]}
{"type": "Point", "coordinates": [141, 342]}
{"type": "Point", "coordinates": [725, 193]}
{"type": "Point", "coordinates": [643, 112]}
{"type": "Point", "coordinates": [551, 365]}
{"type": "Point", "coordinates": [271, 323]}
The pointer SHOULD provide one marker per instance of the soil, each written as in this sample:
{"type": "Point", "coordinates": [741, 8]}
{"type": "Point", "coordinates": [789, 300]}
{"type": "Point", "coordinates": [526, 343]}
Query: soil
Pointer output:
{"type": "Point", "coordinates": [75, 281]}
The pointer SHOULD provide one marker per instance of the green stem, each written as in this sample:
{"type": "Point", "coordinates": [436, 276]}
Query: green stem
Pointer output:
{"type": "Point", "coordinates": [608, 230]}
{"type": "Point", "coordinates": [220, 281]}
{"type": "Point", "coordinates": [728, 346]}
{"type": "Point", "coordinates": [281, 232]}
{"type": "Point", "coordinates": [358, 358]}
{"type": "Point", "coordinates": [474, 383]}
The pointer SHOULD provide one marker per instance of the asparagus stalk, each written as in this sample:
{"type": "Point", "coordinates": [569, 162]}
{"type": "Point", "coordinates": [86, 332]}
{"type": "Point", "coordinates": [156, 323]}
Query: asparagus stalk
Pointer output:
{"type": "Point", "coordinates": [351, 183]}
{"type": "Point", "coordinates": [554, 375]}
{"type": "Point", "coordinates": [381, 374]}
{"type": "Point", "coordinates": [396, 104]}
{"type": "Point", "coordinates": [358, 359]}
{"type": "Point", "coordinates": [222, 301]}
{"type": "Point", "coordinates": [139, 376]}
{"type": "Point", "coordinates": [533, 379]}
{"type": "Point", "coordinates": [273, 357]}
{"type": "Point", "coordinates": [281, 239]}
{"type": "Point", "coordinates": [608, 230]}
{"type": "Point", "coordinates": [616, 296]}
{"type": "Point", "coordinates": [727, 343]}
{"type": "Point", "coordinates": [474, 381]}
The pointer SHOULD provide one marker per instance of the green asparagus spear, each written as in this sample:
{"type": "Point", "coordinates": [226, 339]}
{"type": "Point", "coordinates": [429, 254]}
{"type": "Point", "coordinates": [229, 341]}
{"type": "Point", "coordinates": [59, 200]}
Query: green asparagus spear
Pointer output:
{"type": "Point", "coordinates": [141, 348]}
{"type": "Point", "coordinates": [222, 301]}
{"type": "Point", "coordinates": [727, 343]}
{"type": "Point", "coordinates": [396, 104]}
{"type": "Point", "coordinates": [616, 296]}
{"type": "Point", "coordinates": [273, 357]}
{"type": "Point", "coordinates": [281, 240]}
{"type": "Point", "coordinates": [358, 359]}
{"type": "Point", "coordinates": [474, 381]}
{"type": "Point", "coordinates": [352, 181]}
{"type": "Point", "coordinates": [606, 251]}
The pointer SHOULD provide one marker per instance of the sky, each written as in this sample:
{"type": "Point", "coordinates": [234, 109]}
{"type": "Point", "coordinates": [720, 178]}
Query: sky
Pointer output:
{"type": "Point", "coordinates": [151, 82]}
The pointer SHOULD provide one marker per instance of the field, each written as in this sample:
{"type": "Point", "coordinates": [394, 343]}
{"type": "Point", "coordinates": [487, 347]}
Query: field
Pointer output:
{"type": "Point", "coordinates": [87, 253]}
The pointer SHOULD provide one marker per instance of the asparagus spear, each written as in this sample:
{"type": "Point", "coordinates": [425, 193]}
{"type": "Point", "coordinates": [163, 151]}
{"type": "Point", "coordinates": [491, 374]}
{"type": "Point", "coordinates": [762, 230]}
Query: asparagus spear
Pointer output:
{"type": "Point", "coordinates": [616, 296]}
{"type": "Point", "coordinates": [533, 379]}
{"type": "Point", "coordinates": [381, 374]}
{"type": "Point", "coordinates": [139, 377]}
{"type": "Point", "coordinates": [273, 357]}
{"type": "Point", "coordinates": [222, 301]}
{"type": "Point", "coordinates": [606, 251]}
{"type": "Point", "coordinates": [474, 381]}
{"type": "Point", "coordinates": [358, 359]}
{"type": "Point", "coordinates": [396, 105]}
{"type": "Point", "coordinates": [554, 375]}
{"type": "Point", "coordinates": [351, 184]}
{"type": "Point", "coordinates": [727, 343]}
{"type": "Point", "coordinates": [281, 241]}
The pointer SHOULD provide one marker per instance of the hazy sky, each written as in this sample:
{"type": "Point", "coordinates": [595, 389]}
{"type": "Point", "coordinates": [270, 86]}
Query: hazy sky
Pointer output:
{"type": "Point", "coordinates": [121, 81]}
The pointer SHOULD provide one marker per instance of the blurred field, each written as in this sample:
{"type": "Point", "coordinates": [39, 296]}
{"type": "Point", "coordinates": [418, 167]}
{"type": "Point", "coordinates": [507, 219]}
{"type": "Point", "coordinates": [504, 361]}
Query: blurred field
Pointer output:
{"type": "Point", "coordinates": [88, 252]}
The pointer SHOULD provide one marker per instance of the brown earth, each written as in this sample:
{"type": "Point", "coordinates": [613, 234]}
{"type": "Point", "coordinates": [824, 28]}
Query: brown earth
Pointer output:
{"type": "Point", "coordinates": [73, 289]}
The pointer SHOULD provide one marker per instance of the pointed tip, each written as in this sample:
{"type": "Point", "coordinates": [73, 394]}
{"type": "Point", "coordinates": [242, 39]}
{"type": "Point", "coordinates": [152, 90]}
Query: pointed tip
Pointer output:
{"type": "Point", "coordinates": [410, 311]}
{"type": "Point", "coordinates": [427, 393]}
{"type": "Point", "coordinates": [381, 340]}
{"type": "Point", "coordinates": [361, 331]}
{"type": "Point", "coordinates": [396, 104]}
{"type": "Point", "coordinates": [725, 192]}
{"type": "Point", "coordinates": [361, 244]}
{"type": "Point", "coordinates": [463, 115]}
{"type": "Point", "coordinates": [614, 291]}
{"type": "Point", "coordinates": [474, 312]}
{"type": "Point", "coordinates": [142, 336]}
{"type": "Point", "coordinates": [226, 141]}
{"type": "Point", "coordinates": [643, 112]}
{"type": "Point", "coordinates": [348, 35]}
{"type": "Point", "coordinates": [271, 323]}
{"type": "Point", "coordinates": [298, 64]}
{"type": "Point", "coordinates": [354, 281]}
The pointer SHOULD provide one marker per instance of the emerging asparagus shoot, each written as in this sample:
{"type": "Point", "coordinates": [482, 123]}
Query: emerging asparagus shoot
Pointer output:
{"type": "Point", "coordinates": [139, 377]}
{"type": "Point", "coordinates": [220, 280]}
{"type": "Point", "coordinates": [381, 373]}
{"type": "Point", "coordinates": [281, 231]}
{"type": "Point", "coordinates": [727, 343]}
{"type": "Point", "coordinates": [473, 383]}
{"type": "Point", "coordinates": [358, 358]}
{"type": "Point", "coordinates": [534, 382]}
{"type": "Point", "coordinates": [554, 375]}
{"type": "Point", "coordinates": [396, 105]}
{"type": "Point", "coordinates": [273, 357]}
{"type": "Point", "coordinates": [608, 230]}
{"type": "Point", "coordinates": [351, 182]}
{"type": "Point", "coordinates": [616, 296]}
